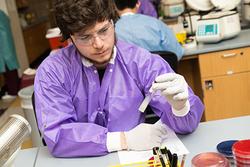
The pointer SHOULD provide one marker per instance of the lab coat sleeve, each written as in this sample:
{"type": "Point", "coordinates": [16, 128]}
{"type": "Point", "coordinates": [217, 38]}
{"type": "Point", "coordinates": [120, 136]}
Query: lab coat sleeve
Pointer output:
{"type": "Point", "coordinates": [187, 123]}
{"type": "Point", "coordinates": [147, 8]}
{"type": "Point", "coordinates": [65, 136]}
{"type": "Point", "coordinates": [155, 66]}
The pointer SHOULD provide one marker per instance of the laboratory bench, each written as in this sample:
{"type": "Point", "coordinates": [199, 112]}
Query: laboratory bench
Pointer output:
{"type": "Point", "coordinates": [204, 139]}
{"type": "Point", "coordinates": [241, 40]}
{"type": "Point", "coordinates": [26, 158]}
{"type": "Point", "coordinates": [220, 75]}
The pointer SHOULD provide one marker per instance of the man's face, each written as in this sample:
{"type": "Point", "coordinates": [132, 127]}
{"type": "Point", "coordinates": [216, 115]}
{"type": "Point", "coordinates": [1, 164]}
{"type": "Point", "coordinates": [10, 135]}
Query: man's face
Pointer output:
{"type": "Point", "coordinates": [96, 43]}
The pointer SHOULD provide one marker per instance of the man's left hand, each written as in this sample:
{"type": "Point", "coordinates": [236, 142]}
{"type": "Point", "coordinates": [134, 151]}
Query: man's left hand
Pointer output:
{"type": "Point", "coordinates": [174, 87]}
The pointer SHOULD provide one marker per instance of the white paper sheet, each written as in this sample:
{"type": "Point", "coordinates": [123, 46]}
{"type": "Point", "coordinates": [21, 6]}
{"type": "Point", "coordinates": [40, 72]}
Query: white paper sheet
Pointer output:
{"type": "Point", "coordinates": [172, 142]}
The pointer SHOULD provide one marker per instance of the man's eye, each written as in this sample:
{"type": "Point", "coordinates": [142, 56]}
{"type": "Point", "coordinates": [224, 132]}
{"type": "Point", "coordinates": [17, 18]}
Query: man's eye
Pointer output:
{"type": "Point", "coordinates": [103, 30]}
{"type": "Point", "coordinates": [86, 37]}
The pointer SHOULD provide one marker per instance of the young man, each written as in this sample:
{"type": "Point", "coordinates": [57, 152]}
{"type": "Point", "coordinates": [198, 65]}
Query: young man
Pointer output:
{"type": "Point", "coordinates": [87, 95]}
{"type": "Point", "coordinates": [144, 31]}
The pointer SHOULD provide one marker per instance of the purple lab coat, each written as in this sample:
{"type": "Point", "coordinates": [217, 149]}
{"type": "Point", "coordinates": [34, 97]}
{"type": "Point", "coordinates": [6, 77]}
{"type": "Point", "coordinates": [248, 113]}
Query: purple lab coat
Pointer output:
{"type": "Point", "coordinates": [75, 113]}
{"type": "Point", "coordinates": [147, 8]}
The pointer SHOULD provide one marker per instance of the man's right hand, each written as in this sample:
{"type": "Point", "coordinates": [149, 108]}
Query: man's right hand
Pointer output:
{"type": "Point", "coordinates": [145, 136]}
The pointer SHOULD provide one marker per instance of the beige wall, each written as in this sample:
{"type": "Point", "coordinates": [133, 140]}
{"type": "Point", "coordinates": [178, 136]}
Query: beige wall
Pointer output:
{"type": "Point", "coordinates": [3, 6]}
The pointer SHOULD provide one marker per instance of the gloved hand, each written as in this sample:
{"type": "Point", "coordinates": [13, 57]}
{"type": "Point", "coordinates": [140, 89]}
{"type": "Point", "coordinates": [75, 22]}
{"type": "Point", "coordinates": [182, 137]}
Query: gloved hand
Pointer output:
{"type": "Point", "coordinates": [145, 136]}
{"type": "Point", "coordinates": [174, 87]}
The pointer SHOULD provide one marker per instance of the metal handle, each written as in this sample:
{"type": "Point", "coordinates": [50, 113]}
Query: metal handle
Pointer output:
{"type": "Point", "coordinates": [229, 55]}
{"type": "Point", "coordinates": [230, 72]}
{"type": "Point", "coordinates": [209, 85]}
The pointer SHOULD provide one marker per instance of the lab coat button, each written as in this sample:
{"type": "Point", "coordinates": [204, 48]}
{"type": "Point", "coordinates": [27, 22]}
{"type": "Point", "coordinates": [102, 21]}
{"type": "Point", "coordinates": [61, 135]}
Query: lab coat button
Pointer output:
{"type": "Point", "coordinates": [95, 71]}
{"type": "Point", "coordinates": [99, 109]}
{"type": "Point", "coordinates": [110, 70]}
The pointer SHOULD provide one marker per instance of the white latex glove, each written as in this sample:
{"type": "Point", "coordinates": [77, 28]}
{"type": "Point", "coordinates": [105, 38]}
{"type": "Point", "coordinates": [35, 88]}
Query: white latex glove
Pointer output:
{"type": "Point", "coordinates": [145, 136]}
{"type": "Point", "coordinates": [174, 87]}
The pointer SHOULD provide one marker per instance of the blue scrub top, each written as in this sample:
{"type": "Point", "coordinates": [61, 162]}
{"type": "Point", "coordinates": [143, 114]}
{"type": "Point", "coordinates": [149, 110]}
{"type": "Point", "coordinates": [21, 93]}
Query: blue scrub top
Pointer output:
{"type": "Point", "coordinates": [147, 32]}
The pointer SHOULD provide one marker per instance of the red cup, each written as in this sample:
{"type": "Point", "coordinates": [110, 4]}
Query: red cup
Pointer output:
{"type": "Point", "coordinates": [242, 147]}
{"type": "Point", "coordinates": [241, 151]}
{"type": "Point", "coordinates": [55, 38]}
{"type": "Point", "coordinates": [242, 160]}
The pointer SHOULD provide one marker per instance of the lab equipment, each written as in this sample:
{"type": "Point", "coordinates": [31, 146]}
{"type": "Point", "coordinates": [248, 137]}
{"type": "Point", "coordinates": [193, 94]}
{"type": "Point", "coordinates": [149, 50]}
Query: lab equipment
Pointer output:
{"type": "Point", "coordinates": [172, 8]}
{"type": "Point", "coordinates": [225, 148]}
{"type": "Point", "coordinates": [55, 38]}
{"type": "Point", "coordinates": [220, 4]}
{"type": "Point", "coordinates": [183, 160]}
{"type": "Point", "coordinates": [173, 86]}
{"type": "Point", "coordinates": [198, 5]}
{"type": "Point", "coordinates": [149, 163]}
{"type": "Point", "coordinates": [174, 160]}
{"type": "Point", "coordinates": [25, 95]}
{"type": "Point", "coordinates": [145, 103]}
{"type": "Point", "coordinates": [218, 25]}
{"type": "Point", "coordinates": [241, 152]}
{"type": "Point", "coordinates": [246, 10]}
{"type": "Point", "coordinates": [181, 37]}
{"type": "Point", "coordinates": [12, 134]}
{"type": "Point", "coordinates": [160, 158]}
{"type": "Point", "coordinates": [190, 21]}
{"type": "Point", "coordinates": [209, 159]}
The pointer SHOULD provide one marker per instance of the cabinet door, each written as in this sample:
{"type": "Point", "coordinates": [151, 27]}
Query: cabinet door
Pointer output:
{"type": "Point", "coordinates": [35, 41]}
{"type": "Point", "coordinates": [226, 96]}
{"type": "Point", "coordinates": [224, 62]}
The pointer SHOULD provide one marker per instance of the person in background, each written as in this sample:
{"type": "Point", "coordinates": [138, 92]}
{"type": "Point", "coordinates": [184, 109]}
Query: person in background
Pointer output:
{"type": "Point", "coordinates": [147, 8]}
{"type": "Point", "coordinates": [144, 31]}
{"type": "Point", "coordinates": [8, 58]}
{"type": "Point", "coordinates": [87, 95]}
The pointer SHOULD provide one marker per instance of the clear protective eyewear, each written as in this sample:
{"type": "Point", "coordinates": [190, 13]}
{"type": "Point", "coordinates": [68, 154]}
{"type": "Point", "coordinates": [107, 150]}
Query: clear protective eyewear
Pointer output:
{"type": "Point", "coordinates": [102, 34]}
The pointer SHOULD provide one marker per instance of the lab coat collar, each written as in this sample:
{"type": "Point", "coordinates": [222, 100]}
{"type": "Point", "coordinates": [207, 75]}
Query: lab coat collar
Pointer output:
{"type": "Point", "coordinates": [87, 63]}
{"type": "Point", "coordinates": [127, 13]}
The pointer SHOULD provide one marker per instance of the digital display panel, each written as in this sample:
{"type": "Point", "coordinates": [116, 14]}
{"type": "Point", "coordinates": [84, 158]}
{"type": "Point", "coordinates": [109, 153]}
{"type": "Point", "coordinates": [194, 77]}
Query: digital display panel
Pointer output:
{"type": "Point", "coordinates": [210, 28]}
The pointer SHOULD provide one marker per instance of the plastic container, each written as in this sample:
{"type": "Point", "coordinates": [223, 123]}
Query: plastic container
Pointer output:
{"type": "Point", "coordinates": [172, 10]}
{"type": "Point", "coordinates": [181, 36]}
{"type": "Point", "coordinates": [241, 152]}
{"type": "Point", "coordinates": [225, 148]}
{"type": "Point", "coordinates": [210, 159]}
{"type": "Point", "coordinates": [171, 2]}
{"type": "Point", "coordinates": [246, 9]}
{"type": "Point", "coordinates": [25, 95]}
{"type": "Point", "coordinates": [55, 38]}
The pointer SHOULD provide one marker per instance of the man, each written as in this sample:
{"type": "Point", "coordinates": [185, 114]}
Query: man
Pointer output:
{"type": "Point", "coordinates": [144, 31]}
{"type": "Point", "coordinates": [87, 95]}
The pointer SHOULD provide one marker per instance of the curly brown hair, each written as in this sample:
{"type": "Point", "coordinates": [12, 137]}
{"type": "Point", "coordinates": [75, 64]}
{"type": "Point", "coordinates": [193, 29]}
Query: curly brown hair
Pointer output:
{"type": "Point", "coordinates": [73, 16]}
